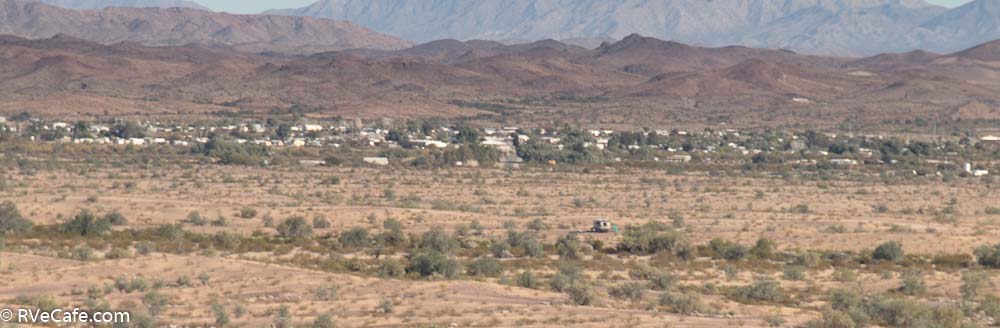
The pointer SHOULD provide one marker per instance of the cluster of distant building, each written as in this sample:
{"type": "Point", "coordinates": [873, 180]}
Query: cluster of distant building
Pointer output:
{"type": "Point", "coordinates": [357, 133]}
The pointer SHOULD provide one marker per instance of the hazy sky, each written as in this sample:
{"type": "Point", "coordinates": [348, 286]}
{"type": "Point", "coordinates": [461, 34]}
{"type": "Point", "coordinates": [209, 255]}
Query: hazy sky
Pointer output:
{"type": "Point", "coordinates": [949, 3]}
{"type": "Point", "coordinates": [256, 6]}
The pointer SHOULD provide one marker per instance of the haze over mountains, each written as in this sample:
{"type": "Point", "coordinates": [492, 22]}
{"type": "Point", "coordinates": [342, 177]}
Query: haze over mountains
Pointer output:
{"type": "Point", "coordinates": [832, 27]}
{"type": "Point", "coordinates": [179, 26]}
{"type": "Point", "coordinates": [101, 4]}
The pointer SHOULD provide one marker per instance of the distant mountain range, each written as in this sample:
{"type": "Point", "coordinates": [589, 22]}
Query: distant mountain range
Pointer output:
{"type": "Point", "coordinates": [835, 27]}
{"type": "Point", "coordinates": [180, 26]}
{"type": "Point", "coordinates": [101, 4]}
{"type": "Point", "coordinates": [638, 80]}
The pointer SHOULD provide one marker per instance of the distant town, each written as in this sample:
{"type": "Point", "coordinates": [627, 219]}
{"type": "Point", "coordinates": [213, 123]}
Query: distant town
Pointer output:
{"type": "Point", "coordinates": [511, 146]}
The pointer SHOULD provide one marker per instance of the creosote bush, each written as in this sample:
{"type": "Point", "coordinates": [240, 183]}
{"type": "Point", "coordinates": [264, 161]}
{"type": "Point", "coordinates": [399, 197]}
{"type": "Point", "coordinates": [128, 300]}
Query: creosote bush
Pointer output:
{"type": "Point", "coordinates": [682, 303]}
{"type": "Point", "coordinates": [295, 227]}
{"type": "Point", "coordinates": [433, 263]}
{"type": "Point", "coordinates": [86, 224]}
{"type": "Point", "coordinates": [889, 251]}
{"type": "Point", "coordinates": [11, 220]}
{"type": "Point", "coordinates": [761, 290]}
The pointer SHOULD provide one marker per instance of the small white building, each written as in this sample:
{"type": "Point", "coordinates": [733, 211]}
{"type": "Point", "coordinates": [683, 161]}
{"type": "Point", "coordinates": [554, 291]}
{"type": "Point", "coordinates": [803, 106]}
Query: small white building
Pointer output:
{"type": "Point", "coordinates": [843, 161]}
{"type": "Point", "coordinates": [309, 162]}
{"type": "Point", "coordinates": [382, 161]}
{"type": "Point", "coordinates": [428, 143]}
{"type": "Point", "coordinates": [678, 159]}
{"type": "Point", "coordinates": [312, 127]}
{"type": "Point", "coordinates": [975, 173]}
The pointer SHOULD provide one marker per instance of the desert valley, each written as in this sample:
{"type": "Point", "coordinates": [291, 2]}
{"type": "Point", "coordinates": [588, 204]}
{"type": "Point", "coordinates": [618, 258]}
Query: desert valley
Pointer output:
{"type": "Point", "coordinates": [195, 168]}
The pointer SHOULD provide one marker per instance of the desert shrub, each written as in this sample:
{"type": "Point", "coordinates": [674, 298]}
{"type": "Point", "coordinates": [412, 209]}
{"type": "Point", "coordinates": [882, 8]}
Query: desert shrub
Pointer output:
{"type": "Point", "coordinates": [533, 248]}
{"type": "Point", "coordinates": [86, 224]}
{"type": "Point", "coordinates": [569, 247]}
{"type": "Point", "coordinates": [326, 293]}
{"type": "Point", "coordinates": [248, 212]}
{"type": "Point", "coordinates": [954, 261]}
{"type": "Point", "coordinates": [355, 238]}
{"type": "Point", "coordinates": [972, 283]}
{"type": "Point", "coordinates": [437, 240]}
{"type": "Point", "coordinates": [990, 305]}
{"type": "Point", "coordinates": [724, 249]}
{"type": "Point", "coordinates": [125, 285]}
{"type": "Point", "coordinates": [116, 219]}
{"type": "Point", "coordinates": [537, 225]}
{"type": "Point", "coordinates": [155, 302]}
{"type": "Point", "coordinates": [184, 281]}
{"type": "Point", "coordinates": [323, 321]}
{"type": "Point", "coordinates": [581, 293]}
{"type": "Point", "coordinates": [844, 299]}
{"type": "Point", "coordinates": [485, 266]}
{"type": "Point", "coordinates": [837, 319]}
{"type": "Point", "coordinates": [385, 306]}
{"type": "Point", "coordinates": [763, 249]}
{"type": "Point", "coordinates": [41, 302]}
{"type": "Point", "coordinates": [731, 271]}
{"type": "Point", "coordinates": [845, 275]}
{"type": "Point", "coordinates": [774, 321]}
{"type": "Point", "coordinates": [662, 281]}
{"type": "Point", "coordinates": [568, 274]}
{"type": "Point", "coordinates": [651, 238]}
{"type": "Point", "coordinates": [988, 256]}
{"type": "Point", "coordinates": [393, 232]}
{"type": "Point", "coordinates": [794, 272]}
{"type": "Point", "coordinates": [221, 316]}
{"type": "Point", "coordinates": [433, 262]}
{"type": "Point", "coordinates": [889, 251]}
{"type": "Point", "coordinates": [295, 227]}
{"type": "Point", "coordinates": [527, 280]}
{"type": "Point", "coordinates": [82, 253]}
{"type": "Point", "coordinates": [173, 232]}
{"type": "Point", "coordinates": [885, 311]}
{"type": "Point", "coordinates": [204, 278]}
{"type": "Point", "coordinates": [117, 253]}
{"type": "Point", "coordinates": [526, 242]}
{"type": "Point", "coordinates": [196, 218]}
{"type": "Point", "coordinates": [320, 222]}
{"type": "Point", "coordinates": [228, 152]}
{"type": "Point", "coordinates": [761, 290]}
{"type": "Point", "coordinates": [391, 268]}
{"type": "Point", "coordinates": [913, 283]}
{"type": "Point", "coordinates": [500, 249]}
{"type": "Point", "coordinates": [219, 222]}
{"type": "Point", "coordinates": [283, 318]}
{"type": "Point", "coordinates": [332, 181]}
{"type": "Point", "coordinates": [682, 303]}
{"type": "Point", "coordinates": [226, 241]}
{"type": "Point", "coordinates": [144, 248]}
{"type": "Point", "coordinates": [629, 290]}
